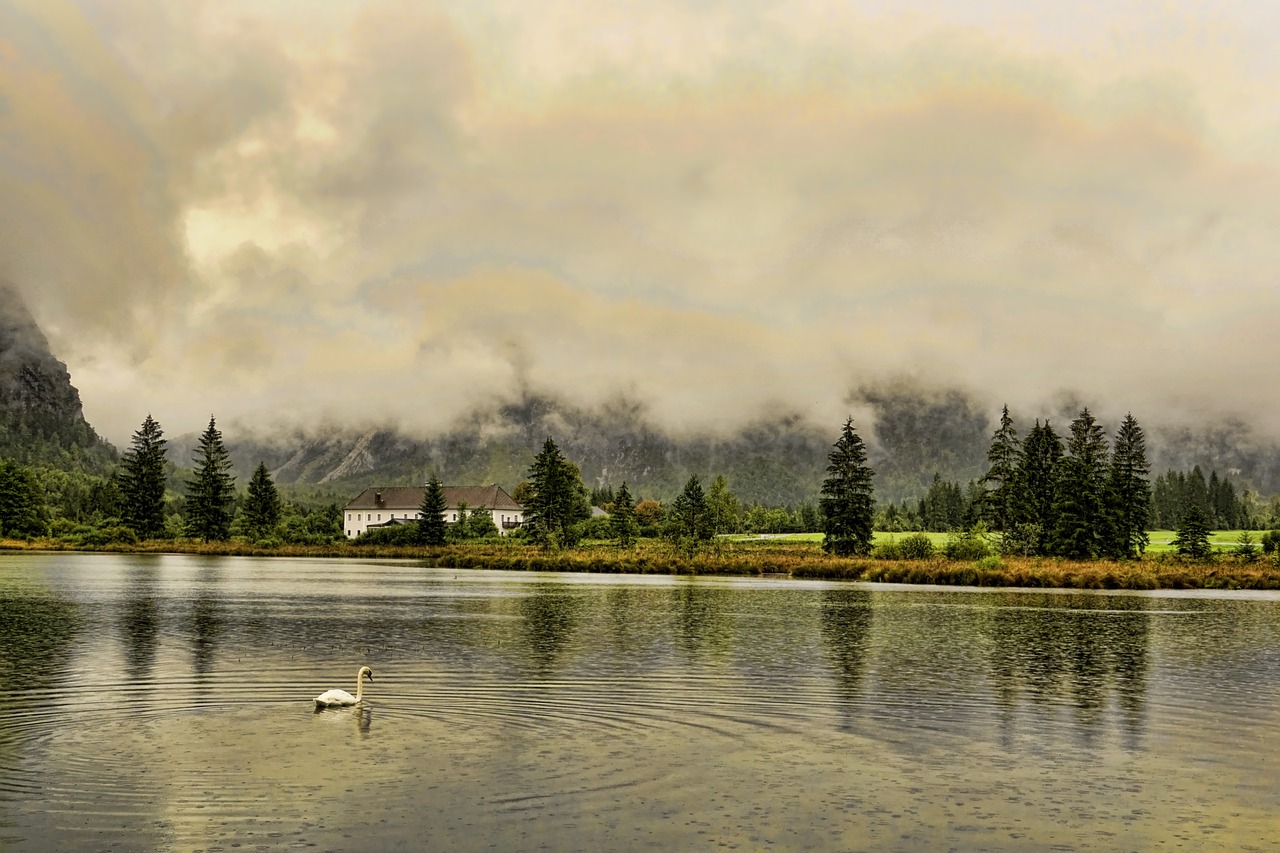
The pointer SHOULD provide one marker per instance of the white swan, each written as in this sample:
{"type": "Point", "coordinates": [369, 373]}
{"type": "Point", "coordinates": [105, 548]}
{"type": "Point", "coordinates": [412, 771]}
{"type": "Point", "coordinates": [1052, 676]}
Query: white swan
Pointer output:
{"type": "Point", "coordinates": [339, 698]}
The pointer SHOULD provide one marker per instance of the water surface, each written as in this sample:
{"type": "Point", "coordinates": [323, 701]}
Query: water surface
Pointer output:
{"type": "Point", "coordinates": [165, 702]}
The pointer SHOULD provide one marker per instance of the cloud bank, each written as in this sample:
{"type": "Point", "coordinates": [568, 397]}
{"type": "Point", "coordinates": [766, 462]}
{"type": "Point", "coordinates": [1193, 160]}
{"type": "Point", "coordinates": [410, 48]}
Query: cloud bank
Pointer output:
{"type": "Point", "coordinates": [367, 211]}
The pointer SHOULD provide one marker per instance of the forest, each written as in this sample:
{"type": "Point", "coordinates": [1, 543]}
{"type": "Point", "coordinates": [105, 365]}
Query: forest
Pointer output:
{"type": "Point", "coordinates": [1041, 494]}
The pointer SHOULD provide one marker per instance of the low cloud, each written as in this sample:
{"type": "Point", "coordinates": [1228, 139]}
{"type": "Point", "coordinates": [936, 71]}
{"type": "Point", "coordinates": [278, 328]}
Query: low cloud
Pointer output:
{"type": "Point", "coordinates": [401, 211]}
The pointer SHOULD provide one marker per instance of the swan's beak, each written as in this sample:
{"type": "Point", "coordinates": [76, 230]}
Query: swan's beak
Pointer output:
{"type": "Point", "coordinates": [369, 675]}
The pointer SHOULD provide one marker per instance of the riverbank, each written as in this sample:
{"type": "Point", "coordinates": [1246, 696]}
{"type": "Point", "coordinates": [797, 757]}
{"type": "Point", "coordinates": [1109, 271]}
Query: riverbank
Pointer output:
{"type": "Point", "coordinates": [796, 559]}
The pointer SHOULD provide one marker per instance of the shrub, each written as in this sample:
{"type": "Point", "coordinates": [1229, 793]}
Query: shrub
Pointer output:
{"type": "Point", "coordinates": [991, 563]}
{"type": "Point", "coordinates": [917, 546]}
{"type": "Point", "coordinates": [889, 549]}
{"type": "Point", "coordinates": [400, 534]}
{"type": "Point", "coordinates": [967, 545]}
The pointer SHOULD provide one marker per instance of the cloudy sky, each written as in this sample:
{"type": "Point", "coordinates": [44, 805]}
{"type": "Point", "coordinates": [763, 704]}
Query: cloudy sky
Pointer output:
{"type": "Point", "coordinates": [323, 208]}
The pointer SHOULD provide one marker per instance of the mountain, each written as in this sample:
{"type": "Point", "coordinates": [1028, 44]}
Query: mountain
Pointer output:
{"type": "Point", "coordinates": [41, 419]}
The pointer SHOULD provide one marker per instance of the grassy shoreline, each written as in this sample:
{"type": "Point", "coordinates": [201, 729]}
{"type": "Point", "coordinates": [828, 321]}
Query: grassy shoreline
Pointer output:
{"type": "Point", "coordinates": [796, 559]}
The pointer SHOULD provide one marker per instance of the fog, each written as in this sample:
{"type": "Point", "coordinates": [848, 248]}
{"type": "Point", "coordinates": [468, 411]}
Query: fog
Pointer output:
{"type": "Point", "coordinates": [350, 212]}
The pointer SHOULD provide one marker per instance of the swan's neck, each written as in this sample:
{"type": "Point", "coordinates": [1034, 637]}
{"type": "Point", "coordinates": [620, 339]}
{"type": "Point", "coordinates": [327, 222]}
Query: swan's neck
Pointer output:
{"type": "Point", "coordinates": [359, 688]}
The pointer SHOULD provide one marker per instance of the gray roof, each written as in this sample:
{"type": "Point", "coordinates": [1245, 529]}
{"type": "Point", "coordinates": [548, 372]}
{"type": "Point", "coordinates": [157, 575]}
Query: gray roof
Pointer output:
{"type": "Point", "coordinates": [410, 498]}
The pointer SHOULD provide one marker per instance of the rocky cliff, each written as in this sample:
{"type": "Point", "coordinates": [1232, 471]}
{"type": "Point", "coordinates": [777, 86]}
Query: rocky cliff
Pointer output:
{"type": "Point", "coordinates": [41, 418]}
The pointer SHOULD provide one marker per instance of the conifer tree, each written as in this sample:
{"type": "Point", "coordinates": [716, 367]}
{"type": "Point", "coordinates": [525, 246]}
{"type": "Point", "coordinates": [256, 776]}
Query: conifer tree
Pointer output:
{"type": "Point", "coordinates": [261, 511]}
{"type": "Point", "coordinates": [141, 479]}
{"type": "Point", "coordinates": [689, 518]}
{"type": "Point", "coordinates": [622, 521]}
{"type": "Point", "coordinates": [1037, 479]}
{"type": "Point", "coordinates": [431, 524]}
{"type": "Point", "coordinates": [557, 499]}
{"type": "Point", "coordinates": [211, 490]}
{"type": "Point", "coordinates": [847, 503]}
{"type": "Point", "coordinates": [1081, 523]}
{"type": "Point", "coordinates": [23, 513]}
{"type": "Point", "coordinates": [1004, 457]}
{"type": "Point", "coordinates": [1129, 491]}
{"type": "Point", "coordinates": [1193, 535]}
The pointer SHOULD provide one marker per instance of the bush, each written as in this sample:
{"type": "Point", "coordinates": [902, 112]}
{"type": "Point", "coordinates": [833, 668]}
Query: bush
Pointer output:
{"type": "Point", "coordinates": [889, 549]}
{"type": "Point", "coordinates": [400, 534]}
{"type": "Point", "coordinates": [108, 536]}
{"type": "Point", "coordinates": [969, 544]}
{"type": "Point", "coordinates": [917, 546]}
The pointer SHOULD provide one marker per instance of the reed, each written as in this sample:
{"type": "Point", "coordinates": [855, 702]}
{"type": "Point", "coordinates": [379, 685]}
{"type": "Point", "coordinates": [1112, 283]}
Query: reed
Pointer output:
{"type": "Point", "coordinates": [754, 558]}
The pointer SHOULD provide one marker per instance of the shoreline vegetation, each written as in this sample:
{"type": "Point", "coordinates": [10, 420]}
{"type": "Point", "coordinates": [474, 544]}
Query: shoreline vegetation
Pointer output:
{"type": "Point", "coordinates": [794, 558]}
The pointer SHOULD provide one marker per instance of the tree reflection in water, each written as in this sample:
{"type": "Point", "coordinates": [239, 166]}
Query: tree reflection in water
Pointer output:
{"type": "Point", "coordinates": [140, 620]}
{"type": "Point", "coordinates": [846, 628]}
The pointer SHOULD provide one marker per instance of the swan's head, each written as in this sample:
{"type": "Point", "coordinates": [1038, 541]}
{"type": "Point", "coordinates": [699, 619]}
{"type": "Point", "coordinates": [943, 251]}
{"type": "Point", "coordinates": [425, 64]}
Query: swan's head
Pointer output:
{"type": "Point", "coordinates": [364, 672]}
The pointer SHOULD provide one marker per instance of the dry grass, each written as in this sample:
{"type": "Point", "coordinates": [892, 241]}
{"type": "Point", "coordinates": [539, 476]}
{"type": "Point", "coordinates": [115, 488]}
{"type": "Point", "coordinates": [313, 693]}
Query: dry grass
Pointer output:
{"type": "Point", "coordinates": [767, 557]}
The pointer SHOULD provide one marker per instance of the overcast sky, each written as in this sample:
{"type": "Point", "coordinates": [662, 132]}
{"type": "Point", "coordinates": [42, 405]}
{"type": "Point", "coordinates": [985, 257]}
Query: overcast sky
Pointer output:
{"type": "Point", "coordinates": [354, 210]}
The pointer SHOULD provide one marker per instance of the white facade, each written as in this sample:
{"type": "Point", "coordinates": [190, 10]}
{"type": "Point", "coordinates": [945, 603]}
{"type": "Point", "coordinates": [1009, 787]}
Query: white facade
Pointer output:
{"type": "Point", "coordinates": [380, 507]}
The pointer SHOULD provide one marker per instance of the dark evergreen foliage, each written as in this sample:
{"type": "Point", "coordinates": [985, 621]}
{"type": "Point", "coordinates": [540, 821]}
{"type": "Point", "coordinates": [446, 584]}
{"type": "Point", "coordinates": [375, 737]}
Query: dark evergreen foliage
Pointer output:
{"type": "Point", "coordinates": [142, 481]}
{"type": "Point", "coordinates": [261, 511]}
{"type": "Point", "coordinates": [1001, 496]}
{"type": "Point", "coordinates": [1038, 479]}
{"type": "Point", "coordinates": [557, 500]}
{"type": "Point", "coordinates": [432, 527]}
{"type": "Point", "coordinates": [1080, 530]}
{"type": "Point", "coordinates": [689, 517]}
{"type": "Point", "coordinates": [1193, 535]}
{"type": "Point", "coordinates": [211, 489]}
{"type": "Point", "coordinates": [1129, 492]}
{"type": "Point", "coordinates": [847, 504]}
{"type": "Point", "coordinates": [622, 521]}
{"type": "Point", "coordinates": [23, 514]}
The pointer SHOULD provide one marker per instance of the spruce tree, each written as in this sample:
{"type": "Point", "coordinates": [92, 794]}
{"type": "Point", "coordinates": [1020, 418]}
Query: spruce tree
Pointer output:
{"type": "Point", "coordinates": [431, 523]}
{"type": "Point", "coordinates": [1193, 535]}
{"type": "Point", "coordinates": [23, 513]}
{"type": "Point", "coordinates": [1004, 457]}
{"type": "Point", "coordinates": [1129, 491]}
{"type": "Point", "coordinates": [261, 511]}
{"type": "Point", "coordinates": [211, 490]}
{"type": "Point", "coordinates": [622, 521]}
{"type": "Point", "coordinates": [141, 479]}
{"type": "Point", "coordinates": [1081, 523]}
{"type": "Point", "coordinates": [1037, 479]}
{"type": "Point", "coordinates": [689, 518]}
{"type": "Point", "coordinates": [847, 504]}
{"type": "Point", "coordinates": [557, 499]}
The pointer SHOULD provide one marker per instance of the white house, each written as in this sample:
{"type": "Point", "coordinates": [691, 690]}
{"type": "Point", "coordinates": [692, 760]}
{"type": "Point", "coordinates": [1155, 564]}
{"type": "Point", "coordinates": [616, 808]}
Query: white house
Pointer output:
{"type": "Point", "coordinates": [382, 507]}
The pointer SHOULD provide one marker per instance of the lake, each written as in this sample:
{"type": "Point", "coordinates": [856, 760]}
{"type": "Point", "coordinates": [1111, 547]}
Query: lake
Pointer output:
{"type": "Point", "coordinates": [164, 702]}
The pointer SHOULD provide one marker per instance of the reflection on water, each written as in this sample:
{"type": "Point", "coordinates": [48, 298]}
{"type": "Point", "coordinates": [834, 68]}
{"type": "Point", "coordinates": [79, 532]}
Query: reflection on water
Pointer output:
{"type": "Point", "coordinates": [140, 621]}
{"type": "Point", "coordinates": [163, 702]}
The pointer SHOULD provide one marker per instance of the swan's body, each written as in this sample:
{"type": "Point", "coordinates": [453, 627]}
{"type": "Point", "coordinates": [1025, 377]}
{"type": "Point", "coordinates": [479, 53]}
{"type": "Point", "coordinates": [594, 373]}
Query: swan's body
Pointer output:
{"type": "Point", "coordinates": [340, 698]}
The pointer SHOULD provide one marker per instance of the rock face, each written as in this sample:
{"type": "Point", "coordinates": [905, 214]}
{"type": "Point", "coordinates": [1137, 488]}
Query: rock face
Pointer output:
{"type": "Point", "coordinates": [41, 418]}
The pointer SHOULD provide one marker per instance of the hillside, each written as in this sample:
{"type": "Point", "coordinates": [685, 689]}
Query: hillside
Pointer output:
{"type": "Point", "coordinates": [41, 419]}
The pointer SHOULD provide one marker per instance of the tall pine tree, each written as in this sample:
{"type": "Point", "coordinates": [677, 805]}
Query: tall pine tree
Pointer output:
{"type": "Point", "coordinates": [1081, 523]}
{"type": "Point", "coordinates": [622, 521]}
{"type": "Point", "coordinates": [211, 490]}
{"type": "Point", "coordinates": [1037, 479]}
{"type": "Point", "coordinates": [141, 479]}
{"type": "Point", "coordinates": [1001, 499]}
{"type": "Point", "coordinates": [261, 511]}
{"type": "Point", "coordinates": [846, 502]}
{"type": "Point", "coordinates": [431, 524]}
{"type": "Point", "coordinates": [1129, 491]}
{"type": "Point", "coordinates": [557, 499]}
{"type": "Point", "coordinates": [689, 519]}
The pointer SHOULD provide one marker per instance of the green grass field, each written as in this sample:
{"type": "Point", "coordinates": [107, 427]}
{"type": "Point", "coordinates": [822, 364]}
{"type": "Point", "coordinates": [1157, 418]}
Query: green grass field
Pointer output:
{"type": "Point", "coordinates": [1161, 540]}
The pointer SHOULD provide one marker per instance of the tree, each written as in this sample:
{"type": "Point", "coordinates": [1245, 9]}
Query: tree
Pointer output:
{"type": "Point", "coordinates": [622, 521]}
{"type": "Point", "coordinates": [689, 519]}
{"type": "Point", "coordinates": [1193, 535]}
{"type": "Point", "coordinates": [724, 507]}
{"type": "Point", "coordinates": [847, 504]}
{"type": "Point", "coordinates": [1129, 491]}
{"type": "Point", "coordinates": [141, 480]}
{"type": "Point", "coordinates": [1004, 458]}
{"type": "Point", "coordinates": [557, 500]}
{"type": "Point", "coordinates": [211, 490]}
{"type": "Point", "coordinates": [1081, 524]}
{"type": "Point", "coordinates": [1037, 480]}
{"type": "Point", "coordinates": [431, 523]}
{"type": "Point", "coordinates": [261, 510]}
{"type": "Point", "coordinates": [22, 506]}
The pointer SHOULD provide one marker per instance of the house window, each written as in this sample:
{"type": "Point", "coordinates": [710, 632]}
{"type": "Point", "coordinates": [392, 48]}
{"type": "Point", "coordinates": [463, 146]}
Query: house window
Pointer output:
{"type": "Point", "coordinates": [379, 516]}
